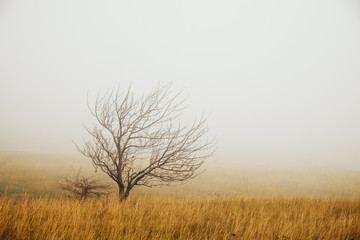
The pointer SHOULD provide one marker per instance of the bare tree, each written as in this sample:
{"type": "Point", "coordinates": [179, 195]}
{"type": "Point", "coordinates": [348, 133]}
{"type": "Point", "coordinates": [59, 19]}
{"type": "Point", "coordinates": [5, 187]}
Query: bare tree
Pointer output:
{"type": "Point", "coordinates": [84, 187]}
{"type": "Point", "coordinates": [140, 141]}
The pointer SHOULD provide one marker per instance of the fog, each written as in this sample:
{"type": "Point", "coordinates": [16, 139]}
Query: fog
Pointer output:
{"type": "Point", "coordinates": [280, 79]}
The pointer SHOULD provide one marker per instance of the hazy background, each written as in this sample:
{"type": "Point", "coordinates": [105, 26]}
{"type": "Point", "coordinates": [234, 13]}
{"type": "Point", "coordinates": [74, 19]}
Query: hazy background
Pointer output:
{"type": "Point", "coordinates": [281, 79]}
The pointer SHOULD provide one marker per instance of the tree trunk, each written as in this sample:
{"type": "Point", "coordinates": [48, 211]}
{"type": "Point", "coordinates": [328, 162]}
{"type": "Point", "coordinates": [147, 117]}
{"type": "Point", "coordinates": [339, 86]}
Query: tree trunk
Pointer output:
{"type": "Point", "coordinates": [122, 194]}
{"type": "Point", "coordinates": [127, 193]}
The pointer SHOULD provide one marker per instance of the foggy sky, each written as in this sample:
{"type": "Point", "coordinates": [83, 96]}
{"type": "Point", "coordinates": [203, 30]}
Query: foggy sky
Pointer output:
{"type": "Point", "coordinates": [280, 79]}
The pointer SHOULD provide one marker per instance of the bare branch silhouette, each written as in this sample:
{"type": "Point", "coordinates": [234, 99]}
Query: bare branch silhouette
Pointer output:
{"type": "Point", "coordinates": [84, 187]}
{"type": "Point", "coordinates": [140, 140]}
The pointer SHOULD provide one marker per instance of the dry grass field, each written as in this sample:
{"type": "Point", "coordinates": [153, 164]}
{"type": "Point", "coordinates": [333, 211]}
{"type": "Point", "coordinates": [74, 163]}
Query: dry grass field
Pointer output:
{"type": "Point", "coordinates": [226, 202]}
{"type": "Point", "coordinates": [179, 218]}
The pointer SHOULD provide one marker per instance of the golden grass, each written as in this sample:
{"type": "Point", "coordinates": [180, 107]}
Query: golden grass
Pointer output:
{"type": "Point", "coordinates": [228, 201]}
{"type": "Point", "coordinates": [179, 218]}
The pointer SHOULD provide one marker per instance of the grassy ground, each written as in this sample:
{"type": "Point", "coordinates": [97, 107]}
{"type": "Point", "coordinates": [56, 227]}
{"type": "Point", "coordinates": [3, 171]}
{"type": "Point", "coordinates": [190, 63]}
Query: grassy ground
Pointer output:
{"type": "Point", "coordinates": [228, 201]}
{"type": "Point", "coordinates": [179, 218]}
{"type": "Point", "coordinates": [37, 174]}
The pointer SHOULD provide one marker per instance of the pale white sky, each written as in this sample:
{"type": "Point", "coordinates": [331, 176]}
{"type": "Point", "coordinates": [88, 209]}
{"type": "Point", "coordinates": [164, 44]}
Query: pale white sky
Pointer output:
{"type": "Point", "coordinates": [280, 78]}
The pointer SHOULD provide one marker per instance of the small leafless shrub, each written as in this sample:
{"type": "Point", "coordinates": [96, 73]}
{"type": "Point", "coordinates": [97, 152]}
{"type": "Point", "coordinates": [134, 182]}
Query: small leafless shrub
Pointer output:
{"type": "Point", "coordinates": [84, 187]}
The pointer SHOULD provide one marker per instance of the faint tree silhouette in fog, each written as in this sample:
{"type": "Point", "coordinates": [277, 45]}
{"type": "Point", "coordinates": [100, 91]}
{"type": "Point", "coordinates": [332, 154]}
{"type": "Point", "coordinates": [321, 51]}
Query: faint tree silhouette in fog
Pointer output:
{"type": "Point", "coordinates": [140, 140]}
{"type": "Point", "coordinates": [84, 187]}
